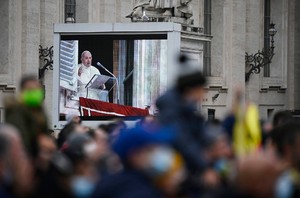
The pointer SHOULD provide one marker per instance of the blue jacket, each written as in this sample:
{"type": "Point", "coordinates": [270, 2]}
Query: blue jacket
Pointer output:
{"type": "Point", "coordinates": [175, 111]}
{"type": "Point", "coordinates": [126, 184]}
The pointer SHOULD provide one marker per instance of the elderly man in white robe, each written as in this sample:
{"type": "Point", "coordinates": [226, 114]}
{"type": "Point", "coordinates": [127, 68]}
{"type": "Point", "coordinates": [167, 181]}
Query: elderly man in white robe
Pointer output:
{"type": "Point", "coordinates": [85, 72]}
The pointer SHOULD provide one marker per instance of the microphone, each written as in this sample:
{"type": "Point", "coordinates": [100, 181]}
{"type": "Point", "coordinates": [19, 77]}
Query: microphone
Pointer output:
{"type": "Point", "coordinates": [117, 82]}
{"type": "Point", "coordinates": [100, 65]}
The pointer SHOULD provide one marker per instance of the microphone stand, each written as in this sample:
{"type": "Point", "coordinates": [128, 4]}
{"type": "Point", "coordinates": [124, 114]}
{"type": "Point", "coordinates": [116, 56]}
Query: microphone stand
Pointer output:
{"type": "Point", "coordinates": [117, 81]}
{"type": "Point", "coordinates": [86, 86]}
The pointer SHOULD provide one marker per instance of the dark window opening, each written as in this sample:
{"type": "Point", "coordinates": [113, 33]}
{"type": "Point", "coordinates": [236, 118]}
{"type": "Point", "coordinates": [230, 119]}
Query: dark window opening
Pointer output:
{"type": "Point", "coordinates": [128, 82]}
{"type": "Point", "coordinates": [211, 114]}
{"type": "Point", "coordinates": [70, 11]}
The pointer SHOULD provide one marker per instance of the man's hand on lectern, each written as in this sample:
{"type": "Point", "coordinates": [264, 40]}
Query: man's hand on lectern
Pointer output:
{"type": "Point", "coordinates": [102, 86]}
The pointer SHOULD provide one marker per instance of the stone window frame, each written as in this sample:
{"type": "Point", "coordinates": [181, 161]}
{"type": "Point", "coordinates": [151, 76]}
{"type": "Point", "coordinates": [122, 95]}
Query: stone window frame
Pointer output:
{"type": "Point", "coordinates": [207, 31]}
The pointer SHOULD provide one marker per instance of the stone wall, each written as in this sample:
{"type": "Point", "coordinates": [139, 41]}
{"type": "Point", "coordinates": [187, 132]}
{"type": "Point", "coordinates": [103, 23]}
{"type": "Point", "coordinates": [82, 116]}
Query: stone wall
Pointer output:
{"type": "Point", "coordinates": [297, 55]}
{"type": "Point", "coordinates": [4, 35]}
{"type": "Point", "coordinates": [24, 26]}
{"type": "Point", "coordinates": [237, 27]}
{"type": "Point", "coordinates": [228, 55]}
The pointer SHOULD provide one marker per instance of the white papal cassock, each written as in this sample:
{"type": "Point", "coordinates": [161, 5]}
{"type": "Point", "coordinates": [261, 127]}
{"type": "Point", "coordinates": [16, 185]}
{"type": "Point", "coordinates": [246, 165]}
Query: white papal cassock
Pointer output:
{"type": "Point", "coordinates": [86, 75]}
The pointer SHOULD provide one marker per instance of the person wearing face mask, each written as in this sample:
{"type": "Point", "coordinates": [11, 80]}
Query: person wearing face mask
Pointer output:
{"type": "Point", "coordinates": [218, 154]}
{"type": "Point", "coordinates": [80, 149]}
{"type": "Point", "coordinates": [152, 169]}
{"type": "Point", "coordinates": [218, 151]}
{"type": "Point", "coordinates": [27, 114]}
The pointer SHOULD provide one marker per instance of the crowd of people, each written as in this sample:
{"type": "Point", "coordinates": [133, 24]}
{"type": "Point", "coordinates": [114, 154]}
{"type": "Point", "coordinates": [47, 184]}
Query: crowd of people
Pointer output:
{"type": "Point", "coordinates": [175, 153]}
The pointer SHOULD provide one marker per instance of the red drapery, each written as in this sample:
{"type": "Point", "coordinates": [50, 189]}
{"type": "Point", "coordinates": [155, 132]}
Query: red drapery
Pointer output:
{"type": "Point", "coordinates": [91, 107]}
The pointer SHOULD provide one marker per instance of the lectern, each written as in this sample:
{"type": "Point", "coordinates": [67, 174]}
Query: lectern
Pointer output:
{"type": "Point", "coordinates": [97, 83]}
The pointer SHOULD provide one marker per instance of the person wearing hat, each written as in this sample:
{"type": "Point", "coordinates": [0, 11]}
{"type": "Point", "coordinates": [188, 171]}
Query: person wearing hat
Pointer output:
{"type": "Point", "coordinates": [151, 167]}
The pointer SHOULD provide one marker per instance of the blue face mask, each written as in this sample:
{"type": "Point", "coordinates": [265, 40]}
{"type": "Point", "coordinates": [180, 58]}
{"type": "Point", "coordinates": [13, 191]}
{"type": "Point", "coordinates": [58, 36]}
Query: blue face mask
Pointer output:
{"type": "Point", "coordinates": [221, 165]}
{"type": "Point", "coordinates": [284, 186]}
{"type": "Point", "coordinates": [82, 187]}
{"type": "Point", "coordinates": [160, 161]}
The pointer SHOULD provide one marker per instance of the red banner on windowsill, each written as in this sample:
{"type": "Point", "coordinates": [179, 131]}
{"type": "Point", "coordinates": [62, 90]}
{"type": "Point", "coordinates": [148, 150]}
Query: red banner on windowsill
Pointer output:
{"type": "Point", "coordinates": [89, 107]}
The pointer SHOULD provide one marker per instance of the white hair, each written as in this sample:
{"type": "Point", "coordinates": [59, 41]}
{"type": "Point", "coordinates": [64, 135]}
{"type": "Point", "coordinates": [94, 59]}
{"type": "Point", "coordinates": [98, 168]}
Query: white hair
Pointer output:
{"type": "Point", "coordinates": [70, 116]}
{"type": "Point", "coordinates": [84, 52]}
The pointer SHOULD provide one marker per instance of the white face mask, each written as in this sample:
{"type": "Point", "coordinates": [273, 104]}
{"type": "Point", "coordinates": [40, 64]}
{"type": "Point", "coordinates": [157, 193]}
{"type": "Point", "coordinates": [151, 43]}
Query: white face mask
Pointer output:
{"type": "Point", "coordinates": [160, 161]}
{"type": "Point", "coordinates": [90, 148]}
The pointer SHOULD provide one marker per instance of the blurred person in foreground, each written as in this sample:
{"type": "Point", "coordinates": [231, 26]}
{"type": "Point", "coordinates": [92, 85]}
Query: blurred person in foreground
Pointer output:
{"type": "Point", "coordinates": [73, 123]}
{"type": "Point", "coordinates": [73, 118]}
{"type": "Point", "coordinates": [279, 118]}
{"type": "Point", "coordinates": [116, 126]}
{"type": "Point", "coordinates": [73, 126]}
{"type": "Point", "coordinates": [56, 180]}
{"type": "Point", "coordinates": [149, 122]}
{"type": "Point", "coordinates": [151, 168]}
{"type": "Point", "coordinates": [84, 153]}
{"type": "Point", "coordinates": [72, 172]}
{"type": "Point", "coordinates": [263, 174]}
{"type": "Point", "coordinates": [178, 108]}
{"type": "Point", "coordinates": [106, 161]}
{"type": "Point", "coordinates": [255, 176]}
{"type": "Point", "coordinates": [46, 150]}
{"type": "Point", "coordinates": [63, 135]}
{"type": "Point", "coordinates": [16, 174]}
{"type": "Point", "coordinates": [218, 151]}
{"type": "Point", "coordinates": [26, 113]}
{"type": "Point", "coordinates": [112, 129]}
{"type": "Point", "coordinates": [267, 175]}
{"type": "Point", "coordinates": [243, 126]}
{"type": "Point", "coordinates": [286, 139]}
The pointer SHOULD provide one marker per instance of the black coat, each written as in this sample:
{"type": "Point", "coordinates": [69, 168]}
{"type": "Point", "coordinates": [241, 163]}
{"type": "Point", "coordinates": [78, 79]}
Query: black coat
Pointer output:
{"type": "Point", "coordinates": [127, 184]}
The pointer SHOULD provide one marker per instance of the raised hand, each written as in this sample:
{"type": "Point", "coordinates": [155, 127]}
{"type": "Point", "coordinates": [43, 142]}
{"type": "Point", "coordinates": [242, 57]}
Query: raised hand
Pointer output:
{"type": "Point", "coordinates": [80, 71]}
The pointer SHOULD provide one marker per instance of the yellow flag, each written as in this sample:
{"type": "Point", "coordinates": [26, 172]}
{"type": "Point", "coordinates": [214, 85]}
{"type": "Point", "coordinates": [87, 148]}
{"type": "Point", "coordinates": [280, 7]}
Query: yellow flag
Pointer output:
{"type": "Point", "coordinates": [247, 131]}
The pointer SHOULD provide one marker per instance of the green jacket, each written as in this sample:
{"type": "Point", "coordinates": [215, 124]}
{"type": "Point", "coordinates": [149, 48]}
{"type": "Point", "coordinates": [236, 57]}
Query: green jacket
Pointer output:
{"type": "Point", "coordinates": [29, 121]}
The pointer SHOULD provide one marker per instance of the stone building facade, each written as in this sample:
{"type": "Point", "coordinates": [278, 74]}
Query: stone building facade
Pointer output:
{"type": "Point", "coordinates": [236, 27]}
